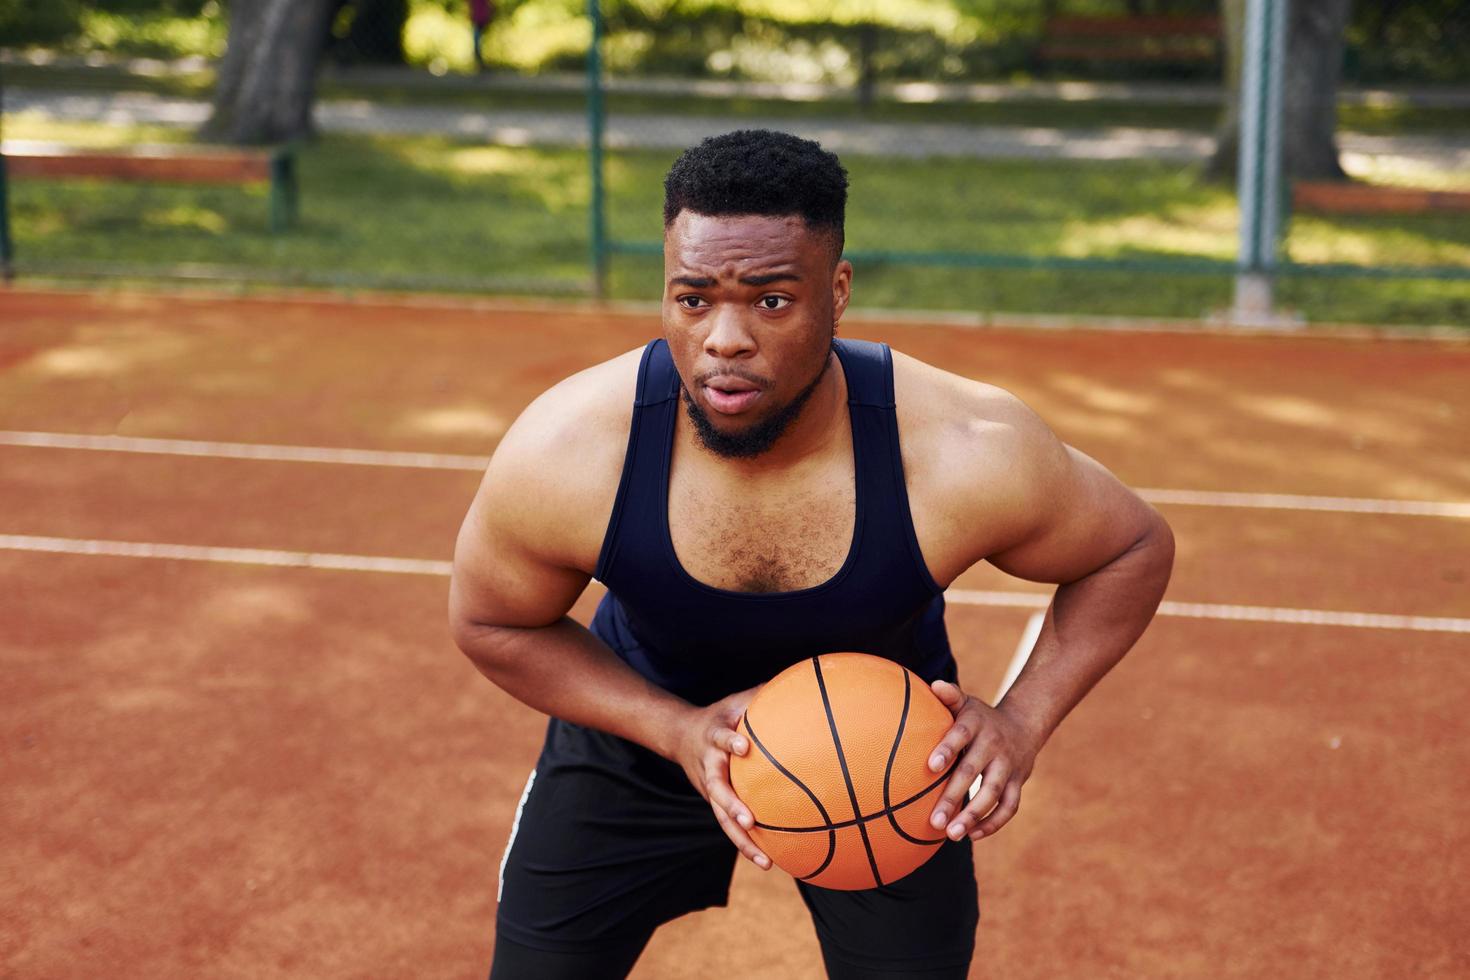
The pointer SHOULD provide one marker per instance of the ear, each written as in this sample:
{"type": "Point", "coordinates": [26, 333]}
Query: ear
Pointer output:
{"type": "Point", "coordinates": [841, 290]}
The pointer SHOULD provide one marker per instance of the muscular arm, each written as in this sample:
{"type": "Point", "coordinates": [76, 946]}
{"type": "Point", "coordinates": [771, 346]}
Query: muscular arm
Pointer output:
{"type": "Point", "coordinates": [1111, 555]}
{"type": "Point", "coordinates": [1015, 495]}
{"type": "Point", "coordinates": [524, 554]}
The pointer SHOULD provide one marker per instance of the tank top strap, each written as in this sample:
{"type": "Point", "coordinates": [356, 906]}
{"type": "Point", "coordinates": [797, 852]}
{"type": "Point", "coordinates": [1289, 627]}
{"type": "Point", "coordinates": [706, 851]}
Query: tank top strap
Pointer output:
{"type": "Point", "coordinates": [646, 465]}
{"type": "Point", "coordinates": [883, 497]}
{"type": "Point", "coordinates": [869, 370]}
{"type": "Point", "coordinates": [657, 379]}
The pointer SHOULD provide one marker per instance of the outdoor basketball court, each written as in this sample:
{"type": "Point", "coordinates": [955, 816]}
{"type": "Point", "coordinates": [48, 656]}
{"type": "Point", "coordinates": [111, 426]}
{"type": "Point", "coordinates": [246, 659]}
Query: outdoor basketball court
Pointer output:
{"type": "Point", "coordinates": [239, 742]}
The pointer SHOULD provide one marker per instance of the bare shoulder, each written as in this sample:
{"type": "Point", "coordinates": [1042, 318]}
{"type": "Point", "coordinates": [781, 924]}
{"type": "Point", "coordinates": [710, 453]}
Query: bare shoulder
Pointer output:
{"type": "Point", "coordinates": [553, 478]}
{"type": "Point", "coordinates": [965, 428]}
{"type": "Point", "coordinates": [975, 457]}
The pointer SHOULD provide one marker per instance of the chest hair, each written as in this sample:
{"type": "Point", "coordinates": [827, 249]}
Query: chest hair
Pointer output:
{"type": "Point", "coordinates": [763, 542]}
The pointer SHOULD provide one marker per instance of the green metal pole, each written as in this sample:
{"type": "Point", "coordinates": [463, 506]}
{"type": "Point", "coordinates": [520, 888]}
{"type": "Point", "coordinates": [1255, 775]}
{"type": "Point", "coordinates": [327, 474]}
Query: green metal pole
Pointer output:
{"type": "Point", "coordinates": [7, 255]}
{"type": "Point", "coordinates": [597, 203]}
{"type": "Point", "coordinates": [1259, 187]}
{"type": "Point", "coordinates": [7, 265]}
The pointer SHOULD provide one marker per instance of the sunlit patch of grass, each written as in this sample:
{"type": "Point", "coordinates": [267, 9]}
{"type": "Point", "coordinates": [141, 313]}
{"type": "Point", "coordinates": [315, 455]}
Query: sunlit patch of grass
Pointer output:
{"type": "Point", "coordinates": [185, 217]}
{"type": "Point", "coordinates": [29, 125]}
{"type": "Point", "coordinates": [483, 160]}
{"type": "Point", "coordinates": [1381, 240]}
{"type": "Point", "coordinates": [1195, 231]}
{"type": "Point", "coordinates": [1404, 172]}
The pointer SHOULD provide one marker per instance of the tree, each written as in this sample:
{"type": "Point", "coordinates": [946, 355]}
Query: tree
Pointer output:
{"type": "Point", "coordinates": [267, 79]}
{"type": "Point", "coordinates": [1314, 49]}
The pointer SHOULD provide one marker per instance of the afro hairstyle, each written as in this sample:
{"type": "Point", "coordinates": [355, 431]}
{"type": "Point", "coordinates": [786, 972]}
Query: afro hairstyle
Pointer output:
{"type": "Point", "coordinates": [759, 171]}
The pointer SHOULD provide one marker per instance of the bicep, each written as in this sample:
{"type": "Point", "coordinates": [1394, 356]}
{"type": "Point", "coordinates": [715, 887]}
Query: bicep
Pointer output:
{"type": "Point", "coordinates": [1076, 516]}
{"type": "Point", "coordinates": [500, 578]}
{"type": "Point", "coordinates": [530, 540]}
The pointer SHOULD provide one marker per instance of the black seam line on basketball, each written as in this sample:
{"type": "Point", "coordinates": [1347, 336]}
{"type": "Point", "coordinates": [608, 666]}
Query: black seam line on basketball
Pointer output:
{"type": "Point", "coordinates": [866, 817]}
{"type": "Point", "coordinates": [903, 720]}
{"type": "Point", "coordinates": [831, 833]}
{"type": "Point", "coordinates": [857, 811]}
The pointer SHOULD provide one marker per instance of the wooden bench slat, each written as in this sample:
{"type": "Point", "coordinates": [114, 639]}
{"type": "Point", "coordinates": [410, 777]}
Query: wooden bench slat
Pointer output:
{"type": "Point", "coordinates": [1326, 197]}
{"type": "Point", "coordinates": [210, 169]}
{"type": "Point", "coordinates": [176, 163]}
{"type": "Point", "coordinates": [1142, 52]}
{"type": "Point", "coordinates": [1157, 26]}
{"type": "Point", "coordinates": [1159, 38]}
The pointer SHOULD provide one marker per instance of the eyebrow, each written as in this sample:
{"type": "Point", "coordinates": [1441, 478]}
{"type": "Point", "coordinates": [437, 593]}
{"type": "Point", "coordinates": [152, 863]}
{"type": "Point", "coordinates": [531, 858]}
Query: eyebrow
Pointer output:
{"type": "Point", "coordinates": [704, 282]}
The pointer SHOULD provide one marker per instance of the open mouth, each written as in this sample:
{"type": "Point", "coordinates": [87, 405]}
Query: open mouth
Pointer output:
{"type": "Point", "coordinates": [730, 395]}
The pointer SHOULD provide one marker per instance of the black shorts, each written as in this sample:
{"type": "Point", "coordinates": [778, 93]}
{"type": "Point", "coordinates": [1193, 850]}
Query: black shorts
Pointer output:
{"type": "Point", "coordinates": [611, 841]}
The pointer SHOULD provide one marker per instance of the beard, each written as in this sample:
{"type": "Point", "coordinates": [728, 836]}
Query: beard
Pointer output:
{"type": "Point", "coordinates": [758, 438]}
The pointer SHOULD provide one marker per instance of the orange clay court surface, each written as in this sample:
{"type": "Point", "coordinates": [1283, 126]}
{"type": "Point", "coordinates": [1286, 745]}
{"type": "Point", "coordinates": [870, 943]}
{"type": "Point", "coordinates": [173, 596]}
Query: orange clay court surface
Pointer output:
{"type": "Point", "coordinates": [227, 768]}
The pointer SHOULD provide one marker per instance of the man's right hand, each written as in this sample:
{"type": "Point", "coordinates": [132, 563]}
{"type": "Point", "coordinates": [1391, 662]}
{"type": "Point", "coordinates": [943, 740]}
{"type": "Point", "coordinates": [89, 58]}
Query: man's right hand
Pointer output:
{"type": "Point", "coordinates": [703, 747]}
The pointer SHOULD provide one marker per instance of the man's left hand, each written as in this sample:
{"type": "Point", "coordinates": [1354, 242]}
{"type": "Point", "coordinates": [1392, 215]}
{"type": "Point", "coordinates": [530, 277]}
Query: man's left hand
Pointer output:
{"type": "Point", "coordinates": [990, 744]}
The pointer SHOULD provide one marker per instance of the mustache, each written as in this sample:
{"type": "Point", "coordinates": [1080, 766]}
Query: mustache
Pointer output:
{"type": "Point", "coordinates": [732, 372]}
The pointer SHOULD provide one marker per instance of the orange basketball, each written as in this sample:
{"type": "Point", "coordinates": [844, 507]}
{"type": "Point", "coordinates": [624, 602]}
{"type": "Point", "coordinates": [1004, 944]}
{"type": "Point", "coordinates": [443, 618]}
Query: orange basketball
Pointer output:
{"type": "Point", "coordinates": [837, 774]}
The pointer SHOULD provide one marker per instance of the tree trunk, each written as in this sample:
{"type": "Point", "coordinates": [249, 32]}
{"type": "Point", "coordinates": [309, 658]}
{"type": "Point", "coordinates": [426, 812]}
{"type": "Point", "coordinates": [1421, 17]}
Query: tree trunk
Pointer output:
{"type": "Point", "coordinates": [1317, 32]}
{"type": "Point", "coordinates": [267, 80]}
{"type": "Point", "coordinates": [1315, 40]}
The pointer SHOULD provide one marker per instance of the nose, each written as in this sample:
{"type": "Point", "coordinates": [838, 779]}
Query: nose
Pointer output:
{"type": "Point", "coordinates": [728, 335]}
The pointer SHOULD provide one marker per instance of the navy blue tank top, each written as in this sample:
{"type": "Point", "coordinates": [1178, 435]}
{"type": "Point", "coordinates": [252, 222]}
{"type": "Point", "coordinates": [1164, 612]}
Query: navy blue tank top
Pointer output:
{"type": "Point", "coordinates": [703, 643]}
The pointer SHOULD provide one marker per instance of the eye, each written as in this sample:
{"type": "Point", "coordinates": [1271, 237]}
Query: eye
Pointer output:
{"type": "Point", "coordinates": [691, 302]}
{"type": "Point", "coordinates": [773, 302]}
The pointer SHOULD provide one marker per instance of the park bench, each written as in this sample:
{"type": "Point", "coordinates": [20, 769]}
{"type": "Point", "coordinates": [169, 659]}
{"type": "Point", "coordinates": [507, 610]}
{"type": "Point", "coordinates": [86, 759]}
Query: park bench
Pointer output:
{"type": "Point", "coordinates": [181, 164]}
{"type": "Point", "coordinates": [1157, 40]}
{"type": "Point", "coordinates": [1326, 197]}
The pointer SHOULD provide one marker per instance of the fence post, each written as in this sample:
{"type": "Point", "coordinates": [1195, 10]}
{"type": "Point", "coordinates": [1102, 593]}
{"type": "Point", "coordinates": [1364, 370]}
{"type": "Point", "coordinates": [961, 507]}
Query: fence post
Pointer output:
{"type": "Point", "coordinates": [597, 201]}
{"type": "Point", "coordinates": [7, 253]}
{"type": "Point", "coordinates": [7, 265]}
{"type": "Point", "coordinates": [1259, 182]}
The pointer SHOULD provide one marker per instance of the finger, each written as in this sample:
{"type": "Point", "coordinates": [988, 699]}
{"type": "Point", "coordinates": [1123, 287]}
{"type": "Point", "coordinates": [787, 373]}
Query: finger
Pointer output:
{"type": "Point", "coordinates": [949, 693]}
{"type": "Point", "coordinates": [721, 794]}
{"type": "Point", "coordinates": [968, 723]}
{"type": "Point", "coordinates": [960, 735]}
{"type": "Point", "coordinates": [729, 740]}
{"type": "Point", "coordinates": [740, 839]}
{"type": "Point", "coordinates": [1010, 802]}
{"type": "Point", "coordinates": [995, 778]}
{"type": "Point", "coordinates": [952, 798]}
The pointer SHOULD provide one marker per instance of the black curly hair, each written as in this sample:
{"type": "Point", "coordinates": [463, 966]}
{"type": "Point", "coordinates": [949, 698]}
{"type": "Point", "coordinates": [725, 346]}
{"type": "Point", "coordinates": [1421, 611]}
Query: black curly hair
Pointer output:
{"type": "Point", "coordinates": [759, 171]}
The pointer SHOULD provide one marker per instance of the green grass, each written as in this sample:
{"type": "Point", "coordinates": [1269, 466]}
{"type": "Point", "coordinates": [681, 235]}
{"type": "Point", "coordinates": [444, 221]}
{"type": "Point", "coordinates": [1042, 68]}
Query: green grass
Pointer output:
{"type": "Point", "coordinates": [435, 213]}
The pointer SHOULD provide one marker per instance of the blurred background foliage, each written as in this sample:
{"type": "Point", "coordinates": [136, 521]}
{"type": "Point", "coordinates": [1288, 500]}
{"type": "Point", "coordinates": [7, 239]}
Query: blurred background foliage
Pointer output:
{"type": "Point", "coordinates": [1389, 41]}
{"type": "Point", "coordinates": [395, 210]}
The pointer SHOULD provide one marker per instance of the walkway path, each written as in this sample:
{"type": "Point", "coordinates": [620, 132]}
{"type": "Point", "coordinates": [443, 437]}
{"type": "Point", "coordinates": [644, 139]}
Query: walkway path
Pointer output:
{"type": "Point", "coordinates": [672, 132]}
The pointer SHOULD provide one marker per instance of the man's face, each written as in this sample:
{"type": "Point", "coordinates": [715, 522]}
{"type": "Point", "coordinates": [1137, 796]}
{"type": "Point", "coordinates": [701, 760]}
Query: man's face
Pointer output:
{"type": "Point", "coordinates": [749, 310]}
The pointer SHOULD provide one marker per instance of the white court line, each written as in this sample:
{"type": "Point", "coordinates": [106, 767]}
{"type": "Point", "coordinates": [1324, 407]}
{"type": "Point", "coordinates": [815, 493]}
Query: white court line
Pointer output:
{"type": "Point", "coordinates": [964, 597]}
{"type": "Point", "coordinates": [1254, 614]}
{"type": "Point", "coordinates": [456, 461]}
{"type": "Point", "coordinates": [1292, 501]}
{"type": "Point", "coordinates": [229, 556]}
{"type": "Point", "coordinates": [245, 450]}
{"type": "Point", "coordinates": [1022, 654]}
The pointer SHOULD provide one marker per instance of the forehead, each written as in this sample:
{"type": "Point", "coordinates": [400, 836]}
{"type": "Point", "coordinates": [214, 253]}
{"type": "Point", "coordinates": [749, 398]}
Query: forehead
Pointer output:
{"type": "Point", "coordinates": [710, 243]}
